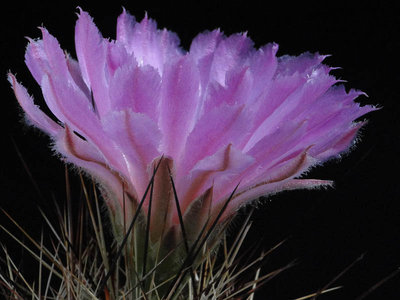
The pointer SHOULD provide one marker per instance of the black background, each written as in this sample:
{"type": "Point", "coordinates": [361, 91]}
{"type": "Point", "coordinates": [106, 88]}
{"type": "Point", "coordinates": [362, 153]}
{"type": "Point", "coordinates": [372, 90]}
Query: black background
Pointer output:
{"type": "Point", "coordinates": [326, 229]}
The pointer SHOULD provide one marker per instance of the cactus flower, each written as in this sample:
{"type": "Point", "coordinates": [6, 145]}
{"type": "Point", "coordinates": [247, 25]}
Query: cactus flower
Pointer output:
{"type": "Point", "coordinates": [220, 114]}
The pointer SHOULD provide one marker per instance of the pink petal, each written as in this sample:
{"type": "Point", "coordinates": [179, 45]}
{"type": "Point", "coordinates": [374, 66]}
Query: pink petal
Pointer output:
{"type": "Point", "coordinates": [316, 85]}
{"type": "Point", "coordinates": [84, 155]}
{"type": "Point", "coordinates": [273, 181]}
{"type": "Point", "coordinates": [72, 107]}
{"type": "Point", "coordinates": [91, 50]}
{"type": "Point", "coordinates": [202, 50]}
{"type": "Point", "coordinates": [36, 59]}
{"type": "Point", "coordinates": [237, 90]}
{"type": "Point", "coordinates": [274, 147]}
{"type": "Point", "coordinates": [263, 65]}
{"type": "Point", "coordinates": [150, 46]}
{"type": "Point", "coordinates": [179, 104]}
{"type": "Point", "coordinates": [125, 25]}
{"type": "Point", "coordinates": [136, 88]}
{"type": "Point", "coordinates": [294, 163]}
{"type": "Point", "coordinates": [273, 153]}
{"type": "Point", "coordinates": [334, 101]}
{"type": "Point", "coordinates": [116, 58]}
{"type": "Point", "coordinates": [45, 56]}
{"type": "Point", "coordinates": [205, 44]}
{"type": "Point", "coordinates": [338, 143]}
{"type": "Point", "coordinates": [274, 95]}
{"type": "Point", "coordinates": [331, 118]}
{"type": "Point", "coordinates": [137, 137]}
{"type": "Point", "coordinates": [217, 170]}
{"type": "Point", "coordinates": [291, 74]}
{"type": "Point", "coordinates": [215, 130]}
{"type": "Point", "coordinates": [67, 103]}
{"type": "Point", "coordinates": [229, 54]}
{"type": "Point", "coordinates": [75, 71]}
{"type": "Point", "coordinates": [289, 65]}
{"type": "Point", "coordinates": [33, 113]}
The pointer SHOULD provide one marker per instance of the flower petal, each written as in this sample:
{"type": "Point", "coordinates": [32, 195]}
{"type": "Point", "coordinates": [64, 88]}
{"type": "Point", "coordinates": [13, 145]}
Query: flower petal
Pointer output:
{"type": "Point", "coordinates": [179, 104]}
{"type": "Point", "coordinates": [125, 24]}
{"type": "Point", "coordinates": [275, 147]}
{"type": "Point", "coordinates": [205, 44]}
{"type": "Point", "coordinates": [116, 57]}
{"type": "Point", "coordinates": [215, 130]}
{"type": "Point", "coordinates": [45, 56]}
{"type": "Point", "coordinates": [318, 82]}
{"type": "Point", "coordinates": [91, 50]}
{"type": "Point", "coordinates": [81, 153]}
{"type": "Point", "coordinates": [76, 74]}
{"type": "Point", "coordinates": [228, 55]}
{"type": "Point", "coordinates": [338, 142]}
{"type": "Point", "coordinates": [273, 181]}
{"type": "Point", "coordinates": [136, 88]}
{"type": "Point", "coordinates": [72, 107]}
{"type": "Point", "coordinates": [301, 64]}
{"type": "Point", "coordinates": [150, 46]}
{"type": "Point", "coordinates": [137, 137]}
{"type": "Point", "coordinates": [237, 90]}
{"type": "Point", "coordinates": [330, 119]}
{"type": "Point", "coordinates": [34, 115]}
{"type": "Point", "coordinates": [218, 171]}
{"type": "Point", "coordinates": [263, 65]}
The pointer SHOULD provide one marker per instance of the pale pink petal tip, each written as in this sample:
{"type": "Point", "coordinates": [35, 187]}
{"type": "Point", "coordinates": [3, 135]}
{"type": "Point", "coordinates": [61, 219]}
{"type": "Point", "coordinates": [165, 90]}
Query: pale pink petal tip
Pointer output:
{"type": "Point", "coordinates": [220, 113]}
{"type": "Point", "coordinates": [33, 114]}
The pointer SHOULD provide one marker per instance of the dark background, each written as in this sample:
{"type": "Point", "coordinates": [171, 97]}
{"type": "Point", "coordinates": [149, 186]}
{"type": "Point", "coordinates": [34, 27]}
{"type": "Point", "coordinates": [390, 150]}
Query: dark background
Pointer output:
{"type": "Point", "coordinates": [327, 229]}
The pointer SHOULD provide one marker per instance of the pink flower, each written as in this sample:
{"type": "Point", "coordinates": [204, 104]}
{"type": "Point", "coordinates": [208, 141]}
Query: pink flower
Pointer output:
{"type": "Point", "coordinates": [220, 114]}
